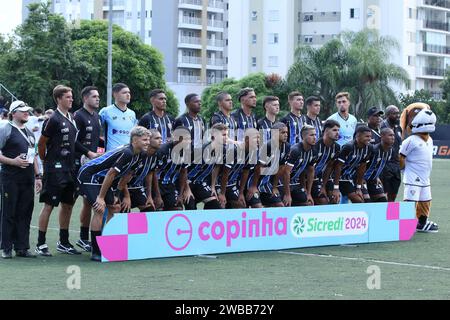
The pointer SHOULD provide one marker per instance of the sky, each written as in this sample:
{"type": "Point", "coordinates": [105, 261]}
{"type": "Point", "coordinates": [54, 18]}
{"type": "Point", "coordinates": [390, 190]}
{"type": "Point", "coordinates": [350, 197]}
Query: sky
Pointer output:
{"type": "Point", "coordinates": [10, 15]}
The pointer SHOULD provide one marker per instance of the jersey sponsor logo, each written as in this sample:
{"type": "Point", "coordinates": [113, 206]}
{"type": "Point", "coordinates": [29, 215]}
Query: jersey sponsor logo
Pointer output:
{"type": "Point", "coordinates": [125, 132]}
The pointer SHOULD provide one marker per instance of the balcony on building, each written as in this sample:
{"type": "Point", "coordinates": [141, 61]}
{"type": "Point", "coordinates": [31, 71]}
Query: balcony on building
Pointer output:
{"type": "Point", "coordinates": [190, 4]}
{"type": "Point", "coordinates": [445, 4]}
{"type": "Point", "coordinates": [190, 23]}
{"type": "Point", "coordinates": [190, 42]}
{"type": "Point", "coordinates": [190, 62]}
{"type": "Point", "coordinates": [437, 25]}
{"type": "Point", "coordinates": [433, 72]}
{"type": "Point", "coordinates": [216, 6]}
{"type": "Point", "coordinates": [189, 79]}
{"type": "Point", "coordinates": [430, 48]}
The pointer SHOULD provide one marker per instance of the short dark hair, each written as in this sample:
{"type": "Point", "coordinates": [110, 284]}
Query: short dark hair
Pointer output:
{"type": "Point", "coordinates": [86, 92]}
{"type": "Point", "coordinates": [154, 131]}
{"type": "Point", "coordinates": [362, 129]}
{"type": "Point", "coordinates": [118, 87]}
{"type": "Point", "coordinates": [155, 92]}
{"type": "Point", "coordinates": [244, 92]}
{"type": "Point", "coordinates": [386, 130]}
{"type": "Point", "coordinates": [310, 100]}
{"type": "Point", "coordinates": [221, 96]}
{"type": "Point", "coordinates": [269, 99]}
{"type": "Point", "coordinates": [60, 91]}
{"type": "Point", "coordinates": [189, 97]}
{"type": "Point", "coordinates": [294, 94]}
{"type": "Point", "coordinates": [38, 110]}
{"type": "Point", "coordinates": [329, 124]}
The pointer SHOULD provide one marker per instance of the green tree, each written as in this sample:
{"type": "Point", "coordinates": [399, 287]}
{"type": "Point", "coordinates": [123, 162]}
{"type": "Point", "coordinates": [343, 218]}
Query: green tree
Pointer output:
{"type": "Point", "coordinates": [354, 62]}
{"type": "Point", "coordinates": [440, 108]}
{"type": "Point", "coordinates": [320, 72]}
{"type": "Point", "coordinates": [369, 72]}
{"type": "Point", "coordinates": [42, 57]}
{"type": "Point", "coordinates": [134, 63]}
{"type": "Point", "coordinates": [263, 85]}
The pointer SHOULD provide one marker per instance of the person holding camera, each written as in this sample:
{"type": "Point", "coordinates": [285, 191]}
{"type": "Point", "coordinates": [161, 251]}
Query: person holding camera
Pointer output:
{"type": "Point", "coordinates": [57, 150]}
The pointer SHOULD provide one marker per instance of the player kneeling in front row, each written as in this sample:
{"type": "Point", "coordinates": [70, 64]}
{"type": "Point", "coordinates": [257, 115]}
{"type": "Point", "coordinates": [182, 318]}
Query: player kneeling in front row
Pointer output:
{"type": "Point", "coordinates": [136, 186]}
{"type": "Point", "coordinates": [98, 180]}
{"type": "Point", "coordinates": [416, 158]}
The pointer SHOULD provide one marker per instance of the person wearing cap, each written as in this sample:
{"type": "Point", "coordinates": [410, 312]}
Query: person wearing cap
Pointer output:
{"type": "Point", "coordinates": [17, 182]}
{"type": "Point", "coordinates": [374, 121]}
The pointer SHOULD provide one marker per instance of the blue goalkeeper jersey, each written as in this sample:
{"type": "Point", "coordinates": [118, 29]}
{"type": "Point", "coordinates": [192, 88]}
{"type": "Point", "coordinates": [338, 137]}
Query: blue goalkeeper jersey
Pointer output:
{"type": "Point", "coordinates": [117, 125]}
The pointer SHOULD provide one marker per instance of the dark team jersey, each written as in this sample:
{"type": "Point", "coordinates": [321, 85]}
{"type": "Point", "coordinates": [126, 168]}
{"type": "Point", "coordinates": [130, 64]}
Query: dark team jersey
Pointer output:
{"type": "Point", "coordinates": [61, 132]}
{"type": "Point", "coordinates": [352, 156]}
{"type": "Point", "coordinates": [398, 141]}
{"type": "Point", "coordinates": [122, 159]}
{"type": "Point", "coordinates": [14, 143]}
{"type": "Point", "coordinates": [164, 125]}
{"type": "Point", "coordinates": [230, 122]}
{"type": "Point", "coordinates": [299, 159]}
{"type": "Point", "coordinates": [271, 161]}
{"type": "Point", "coordinates": [294, 125]}
{"type": "Point", "coordinates": [244, 122]}
{"type": "Point", "coordinates": [376, 136]}
{"type": "Point", "coordinates": [201, 171]}
{"type": "Point", "coordinates": [195, 125]}
{"type": "Point", "coordinates": [146, 165]}
{"type": "Point", "coordinates": [243, 160]}
{"type": "Point", "coordinates": [316, 123]}
{"type": "Point", "coordinates": [378, 161]}
{"type": "Point", "coordinates": [89, 127]}
{"type": "Point", "coordinates": [265, 126]}
{"type": "Point", "coordinates": [168, 168]}
{"type": "Point", "coordinates": [325, 154]}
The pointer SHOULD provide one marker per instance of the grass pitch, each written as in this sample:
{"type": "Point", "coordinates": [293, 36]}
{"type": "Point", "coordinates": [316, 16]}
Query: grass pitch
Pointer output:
{"type": "Point", "coordinates": [418, 269]}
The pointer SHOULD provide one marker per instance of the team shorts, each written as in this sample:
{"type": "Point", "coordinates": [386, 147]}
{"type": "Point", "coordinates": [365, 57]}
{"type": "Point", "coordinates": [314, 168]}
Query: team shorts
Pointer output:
{"type": "Point", "coordinates": [201, 191]}
{"type": "Point", "coordinates": [231, 194]}
{"type": "Point", "coordinates": [169, 194]}
{"type": "Point", "coordinates": [90, 192]}
{"type": "Point", "coordinates": [416, 193]}
{"type": "Point", "coordinates": [317, 187]}
{"type": "Point", "coordinates": [347, 187]}
{"type": "Point", "coordinates": [391, 178]}
{"type": "Point", "coordinates": [298, 195]}
{"type": "Point", "coordinates": [57, 187]}
{"type": "Point", "coordinates": [138, 197]}
{"type": "Point", "coordinates": [374, 188]}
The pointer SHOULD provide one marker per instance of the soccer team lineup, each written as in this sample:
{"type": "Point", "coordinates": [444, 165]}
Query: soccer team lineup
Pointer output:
{"type": "Point", "coordinates": [116, 163]}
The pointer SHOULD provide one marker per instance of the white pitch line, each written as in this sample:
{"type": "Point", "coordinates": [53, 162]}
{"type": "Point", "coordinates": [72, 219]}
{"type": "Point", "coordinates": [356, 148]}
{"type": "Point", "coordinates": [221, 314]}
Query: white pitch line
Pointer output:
{"type": "Point", "coordinates": [366, 260]}
{"type": "Point", "coordinates": [54, 229]}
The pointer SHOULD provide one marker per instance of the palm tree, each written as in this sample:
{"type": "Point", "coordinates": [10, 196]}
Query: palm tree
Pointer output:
{"type": "Point", "coordinates": [369, 72]}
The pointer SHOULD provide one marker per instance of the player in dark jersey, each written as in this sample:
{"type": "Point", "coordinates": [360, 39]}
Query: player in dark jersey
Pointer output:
{"type": "Point", "coordinates": [99, 178]}
{"type": "Point", "coordinates": [245, 116]}
{"type": "Point", "coordinates": [225, 103]}
{"type": "Point", "coordinates": [312, 115]}
{"type": "Point", "coordinates": [391, 176]}
{"type": "Point", "coordinates": [271, 105]}
{"type": "Point", "coordinates": [203, 173]}
{"type": "Point", "coordinates": [301, 169]}
{"type": "Point", "coordinates": [158, 118]}
{"type": "Point", "coordinates": [235, 174]}
{"type": "Point", "coordinates": [294, 120]}
{"type": "Point", "coordinates": [351, 165]}
{"type": "Point", "coordinates": [374, 120]}
{"type": "Point", "coordinates": [327, 152]}
{"type": "Point", "coordinates": [136, 187]}
{"type": "Point", "coordinates": [273, 158]}
{"type": "Point", "coordinates": [173, 159]}
{"type": "Point", "coordinates": [57, 150]}
{"type": "Point", "coordinates": [381, 155]}
{"type": "Point", "coordinates": [193, 121]}
{"type": "Point", "coordinates": [87, 144]}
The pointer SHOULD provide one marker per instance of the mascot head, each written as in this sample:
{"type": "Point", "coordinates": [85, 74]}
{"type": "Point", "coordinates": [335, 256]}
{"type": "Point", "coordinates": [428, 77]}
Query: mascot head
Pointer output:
{"type": "Point", "coordinates": [408, 115]}
{"type": "Point", "coordinates": [424, 122]}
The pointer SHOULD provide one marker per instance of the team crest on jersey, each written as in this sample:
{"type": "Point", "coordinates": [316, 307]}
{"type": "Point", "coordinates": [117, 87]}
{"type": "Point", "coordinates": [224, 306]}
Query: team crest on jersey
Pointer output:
{"type": "Point", "coordinates": [413, 192]}
{"type": "Point", "coordinates": [156, 125]}
{"type": "Point", "coordinates": [190, 127]}
{"type": "Point", "coordinates": [114, 118]}
{"type": "Point", "coordinates": [244, 123]}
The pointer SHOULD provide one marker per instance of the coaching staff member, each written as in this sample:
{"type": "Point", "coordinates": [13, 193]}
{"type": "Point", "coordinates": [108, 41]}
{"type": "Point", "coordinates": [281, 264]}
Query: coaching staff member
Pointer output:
{"type": "Point", "coordinates": [17, 146]}
{"type": "Point", "coordinates": [57, 150]}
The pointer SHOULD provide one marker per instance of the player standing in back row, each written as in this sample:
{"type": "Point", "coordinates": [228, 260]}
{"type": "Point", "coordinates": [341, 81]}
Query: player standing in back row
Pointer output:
{"type": "Point", "coordinates": [118, 120]}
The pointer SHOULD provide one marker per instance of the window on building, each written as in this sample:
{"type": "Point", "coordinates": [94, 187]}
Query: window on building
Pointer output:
{"type": "Point", "coordinates": [308, 39]}
{"type": "Point", "coordinates": [273, 61]}
{"type": "Point", "coordinates": [273, 38]}
{"type": "Point", "coordinates": [274, 15]}
{"type": "Point", "coordinates": [254, 15]}
{"type": "Point", "coordinates": [254, 38]}
{"type": "Point", "coordinates": [149, 33]}
{"type": "Point", "coordinates": [410, 61]}
{"type": "Point", "coordinates": [129, 14]}
{"type": "Point", "coordinates": [354, 13]}
{"type": "Point", "coordinates": [253, 61]}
